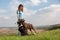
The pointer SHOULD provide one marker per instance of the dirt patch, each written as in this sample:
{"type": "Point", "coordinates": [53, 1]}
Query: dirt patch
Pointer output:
{"type": "Point", "coordinates": [4, 31]}
{"type": "Point", "coordinates": [7, 31]}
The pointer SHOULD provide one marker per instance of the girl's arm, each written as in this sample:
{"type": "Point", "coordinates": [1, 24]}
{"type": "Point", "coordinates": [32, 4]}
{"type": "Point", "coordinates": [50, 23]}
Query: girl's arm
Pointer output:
{"type": "Point", "coordinates": [17, 15]}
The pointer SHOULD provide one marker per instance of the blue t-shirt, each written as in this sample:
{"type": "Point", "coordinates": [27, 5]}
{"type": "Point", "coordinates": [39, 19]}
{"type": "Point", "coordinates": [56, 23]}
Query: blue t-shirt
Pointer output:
{"type": "Point", "coordinates": [20, 14]}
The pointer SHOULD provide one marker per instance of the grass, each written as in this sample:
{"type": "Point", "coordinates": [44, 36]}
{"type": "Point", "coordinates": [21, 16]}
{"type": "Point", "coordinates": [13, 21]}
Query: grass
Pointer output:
{"type": "Point", "coordinates": [44, 35]}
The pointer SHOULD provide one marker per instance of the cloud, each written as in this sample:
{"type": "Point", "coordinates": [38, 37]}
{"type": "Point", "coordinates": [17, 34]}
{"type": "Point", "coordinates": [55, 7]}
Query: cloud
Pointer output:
{"type": "Point", "coordinates": [47, 15]}
{"type": "Point", "coordinates": [2, 11]}
{"type": "Point", "coordinates": [44, 0]}
{"type": "Point", "coordinates": [4, 21]}
{"type": "Point", "coordinates": [36, 2]}
{"type": "Point", "coordinates": [4, 17]}
{"type": "Point", "coordinates": [28, 12]}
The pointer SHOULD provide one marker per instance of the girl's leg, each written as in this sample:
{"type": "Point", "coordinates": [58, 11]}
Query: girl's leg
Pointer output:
{"type": "Point", "coordinates": [19, 33]}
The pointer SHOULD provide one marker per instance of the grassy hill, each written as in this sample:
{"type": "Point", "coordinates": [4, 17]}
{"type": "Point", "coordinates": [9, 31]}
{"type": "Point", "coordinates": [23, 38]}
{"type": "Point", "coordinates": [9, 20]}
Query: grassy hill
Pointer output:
{"type": "Point", "coordinates": [49, 27]}
{"type": "Point", "coordinates": [42, 35]}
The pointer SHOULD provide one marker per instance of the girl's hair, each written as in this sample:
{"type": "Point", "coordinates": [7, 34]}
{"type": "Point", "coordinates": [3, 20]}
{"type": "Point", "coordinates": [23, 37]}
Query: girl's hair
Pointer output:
{"type": "Point", "coordinates": [20, 6]}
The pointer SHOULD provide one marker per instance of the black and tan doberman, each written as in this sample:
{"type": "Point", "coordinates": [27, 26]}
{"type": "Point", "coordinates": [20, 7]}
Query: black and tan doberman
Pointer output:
{"type": "Point", "coordinates": [27, 25]}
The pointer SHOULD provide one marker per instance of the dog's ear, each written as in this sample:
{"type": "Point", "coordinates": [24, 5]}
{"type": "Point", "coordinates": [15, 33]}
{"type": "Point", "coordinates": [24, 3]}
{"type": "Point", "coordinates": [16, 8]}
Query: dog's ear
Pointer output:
{"type": "Point", "coordinates": [22, 20]}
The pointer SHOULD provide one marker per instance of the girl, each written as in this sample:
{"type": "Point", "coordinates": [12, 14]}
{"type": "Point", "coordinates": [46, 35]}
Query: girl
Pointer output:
{"type": "Point", "coordinates": [20, 14]}
{"type": "Point", "coordinates": [20, 17]}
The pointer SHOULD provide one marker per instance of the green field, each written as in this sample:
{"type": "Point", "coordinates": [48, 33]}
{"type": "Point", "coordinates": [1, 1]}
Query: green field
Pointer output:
{"type": "Point", "coordinates": [44, 35]}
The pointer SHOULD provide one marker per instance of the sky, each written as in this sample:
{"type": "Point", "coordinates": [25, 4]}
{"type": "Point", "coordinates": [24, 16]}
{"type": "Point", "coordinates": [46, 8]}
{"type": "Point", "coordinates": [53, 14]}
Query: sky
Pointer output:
{"type": "Point", "coordinates": [36, 12]}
